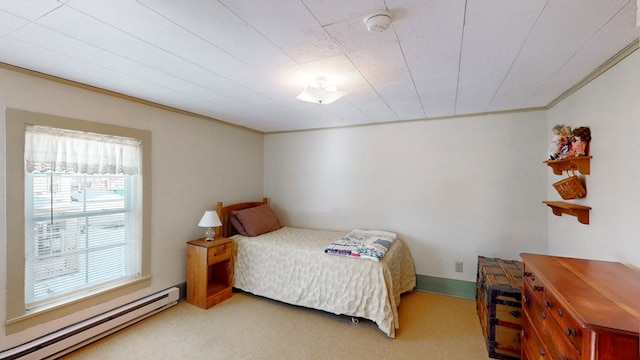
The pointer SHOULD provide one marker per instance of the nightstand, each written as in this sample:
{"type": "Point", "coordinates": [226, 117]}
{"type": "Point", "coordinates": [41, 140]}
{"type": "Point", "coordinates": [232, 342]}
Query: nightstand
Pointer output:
{"type": "Point", "coordinates": [209, 271]}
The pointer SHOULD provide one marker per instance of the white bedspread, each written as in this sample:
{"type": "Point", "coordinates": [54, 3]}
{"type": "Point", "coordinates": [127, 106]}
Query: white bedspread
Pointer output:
{"type": "Point", "coordinates": [290, 265]}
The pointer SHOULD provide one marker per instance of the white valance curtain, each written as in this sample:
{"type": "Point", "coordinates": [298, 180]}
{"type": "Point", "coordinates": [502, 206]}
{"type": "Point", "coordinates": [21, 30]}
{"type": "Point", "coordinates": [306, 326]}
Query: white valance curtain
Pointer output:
{"type": "Point", "coordinates": [50, 149]}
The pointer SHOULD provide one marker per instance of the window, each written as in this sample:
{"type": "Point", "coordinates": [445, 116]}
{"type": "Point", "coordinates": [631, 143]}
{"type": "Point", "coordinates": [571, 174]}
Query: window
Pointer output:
{"type": "Point", "coordinates": [82, 223]}
{"type": "Point", "coordinates": [78, 230]}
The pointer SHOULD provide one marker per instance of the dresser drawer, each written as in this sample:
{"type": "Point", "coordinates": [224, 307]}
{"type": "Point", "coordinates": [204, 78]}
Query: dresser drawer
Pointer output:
{"type": "Point", "coordinates": [531, 344]}
{"type": "Point", "coordinates": [531, 281]}
{"type": "Point", "coordinates": [218, 253]}
{"type": "Point", "coordinates": [548, 330]}
{"type": "Point", "coordinates": [533, 307]}
{"type": "Point", "coordinates": [557, 344]}
{"type": "Point", "coordinates": [568, 325]}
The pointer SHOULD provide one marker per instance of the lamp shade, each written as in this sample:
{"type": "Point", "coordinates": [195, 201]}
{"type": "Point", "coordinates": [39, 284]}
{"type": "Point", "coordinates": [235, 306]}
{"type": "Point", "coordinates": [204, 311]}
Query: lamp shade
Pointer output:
{"type": "Point", "coordinates": [320, 95]}
{"type": "Point", "coordinates": [210, 219]}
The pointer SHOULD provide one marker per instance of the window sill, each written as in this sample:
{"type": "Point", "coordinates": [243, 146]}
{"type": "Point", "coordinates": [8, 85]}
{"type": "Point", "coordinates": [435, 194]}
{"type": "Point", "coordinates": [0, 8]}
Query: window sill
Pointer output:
{"type": "Point", "coordinates": [53, 312]}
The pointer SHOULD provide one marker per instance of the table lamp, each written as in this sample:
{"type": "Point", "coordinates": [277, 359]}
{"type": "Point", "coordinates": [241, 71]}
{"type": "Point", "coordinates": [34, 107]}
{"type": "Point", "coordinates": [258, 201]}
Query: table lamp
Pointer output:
{"type": "Point", "coordinates": [210, 220]}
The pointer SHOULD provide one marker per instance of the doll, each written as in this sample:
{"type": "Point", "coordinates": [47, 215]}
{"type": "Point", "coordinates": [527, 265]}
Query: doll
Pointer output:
{"type": "Point", "coordinates": [555, 141]}
{"type": "Point", "coordinates": [579, 142]}
{"type": "Point", "coordinates": [564, 144]}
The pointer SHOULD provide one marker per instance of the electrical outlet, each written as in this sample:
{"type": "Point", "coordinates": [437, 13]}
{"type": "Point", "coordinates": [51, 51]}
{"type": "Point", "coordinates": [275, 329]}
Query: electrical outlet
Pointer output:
{"type": "Point", "coordinates": [458, 266]}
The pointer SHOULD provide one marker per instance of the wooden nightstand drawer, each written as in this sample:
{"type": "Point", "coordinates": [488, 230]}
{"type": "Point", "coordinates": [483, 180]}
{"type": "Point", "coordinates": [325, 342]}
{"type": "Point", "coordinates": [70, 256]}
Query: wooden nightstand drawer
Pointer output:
{"type": "Point", "coordinates": [218, 253]}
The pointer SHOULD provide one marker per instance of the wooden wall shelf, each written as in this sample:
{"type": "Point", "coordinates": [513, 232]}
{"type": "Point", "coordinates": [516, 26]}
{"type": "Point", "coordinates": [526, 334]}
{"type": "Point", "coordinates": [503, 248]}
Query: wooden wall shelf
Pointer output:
{"type": "Point", "coordinates": [580, 163]}
{"type": "Point", "coordinates": [579, 211]}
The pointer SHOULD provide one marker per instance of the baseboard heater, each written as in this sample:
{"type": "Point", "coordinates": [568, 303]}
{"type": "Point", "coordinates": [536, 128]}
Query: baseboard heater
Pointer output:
{"type": "Point", "coordinates": [75, 336]}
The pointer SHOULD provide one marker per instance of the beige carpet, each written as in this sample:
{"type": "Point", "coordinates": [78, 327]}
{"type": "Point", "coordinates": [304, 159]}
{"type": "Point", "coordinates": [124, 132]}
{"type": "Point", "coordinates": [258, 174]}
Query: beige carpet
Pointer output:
{"type": "Point", "coordinates": [249, 327]}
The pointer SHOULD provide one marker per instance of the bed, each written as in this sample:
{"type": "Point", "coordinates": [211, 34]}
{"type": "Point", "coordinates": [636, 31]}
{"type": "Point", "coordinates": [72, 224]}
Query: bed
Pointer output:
{"type": "Point", "coordinates": [290, 265]}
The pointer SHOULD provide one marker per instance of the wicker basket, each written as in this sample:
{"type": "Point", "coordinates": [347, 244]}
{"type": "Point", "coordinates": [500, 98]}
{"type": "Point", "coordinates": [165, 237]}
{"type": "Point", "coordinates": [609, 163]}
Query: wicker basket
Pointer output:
{"type": "Point", "coordinates": [570, 188]}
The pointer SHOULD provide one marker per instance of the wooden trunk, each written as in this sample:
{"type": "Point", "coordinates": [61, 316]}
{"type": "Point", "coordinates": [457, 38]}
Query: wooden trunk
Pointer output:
{"type": "Point", "coordinates": [499, 306]}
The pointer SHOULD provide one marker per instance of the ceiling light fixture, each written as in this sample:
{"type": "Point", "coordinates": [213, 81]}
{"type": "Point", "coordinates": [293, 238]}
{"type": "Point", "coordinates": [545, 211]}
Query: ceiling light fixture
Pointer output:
{"type": "Point", "coordinates": [320, 94]}
{"type": "Point", "coordinates": [378, 22]}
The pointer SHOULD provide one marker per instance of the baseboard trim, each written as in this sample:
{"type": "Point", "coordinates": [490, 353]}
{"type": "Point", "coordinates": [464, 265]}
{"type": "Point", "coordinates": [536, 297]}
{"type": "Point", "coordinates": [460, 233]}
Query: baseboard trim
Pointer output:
{"type": "Point", "coordinates": [451, 287]}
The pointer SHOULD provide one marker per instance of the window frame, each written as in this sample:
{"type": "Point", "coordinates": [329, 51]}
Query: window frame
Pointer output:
{"type": "Point", "coordinates": [17, 317]}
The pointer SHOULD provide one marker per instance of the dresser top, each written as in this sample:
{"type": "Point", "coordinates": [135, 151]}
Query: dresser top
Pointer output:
{"type": "Point", "coordinates": [602, 295]}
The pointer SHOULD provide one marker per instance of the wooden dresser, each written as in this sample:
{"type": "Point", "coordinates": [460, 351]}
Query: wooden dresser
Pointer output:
{"type": "Point", "coordinates": [579, 309]}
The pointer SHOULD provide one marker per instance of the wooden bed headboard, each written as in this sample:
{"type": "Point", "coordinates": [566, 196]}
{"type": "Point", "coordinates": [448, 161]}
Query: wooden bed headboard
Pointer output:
{"type": "Point", "coordinates": [227, 229]}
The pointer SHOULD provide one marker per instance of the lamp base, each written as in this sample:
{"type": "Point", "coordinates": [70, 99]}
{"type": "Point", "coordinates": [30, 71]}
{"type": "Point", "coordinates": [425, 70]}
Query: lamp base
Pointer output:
{"type": "Point", "coordinates": [210, 234]}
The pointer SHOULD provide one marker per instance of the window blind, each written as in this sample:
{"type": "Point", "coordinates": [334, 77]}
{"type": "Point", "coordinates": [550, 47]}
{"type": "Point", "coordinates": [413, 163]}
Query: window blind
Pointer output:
{"type": "Point", "coordinates": [83, 213]}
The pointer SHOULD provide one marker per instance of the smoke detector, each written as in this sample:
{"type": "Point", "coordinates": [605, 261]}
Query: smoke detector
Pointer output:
{"type": "Point", "coordinates": [378, 22]}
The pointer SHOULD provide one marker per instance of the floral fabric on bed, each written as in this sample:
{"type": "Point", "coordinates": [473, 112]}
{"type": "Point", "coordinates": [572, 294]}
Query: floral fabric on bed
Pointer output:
{"type": "Point", "coordinates": [364, 244]}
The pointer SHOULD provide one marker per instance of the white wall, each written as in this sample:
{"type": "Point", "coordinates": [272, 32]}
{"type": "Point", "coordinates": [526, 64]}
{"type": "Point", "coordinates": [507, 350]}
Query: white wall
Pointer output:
{"type": "Point", "coordinates": [610, 106]}
{"type": "Point", "coordinates": [453, 188]}
{"type": "Point", "coordinates": [193, 168]}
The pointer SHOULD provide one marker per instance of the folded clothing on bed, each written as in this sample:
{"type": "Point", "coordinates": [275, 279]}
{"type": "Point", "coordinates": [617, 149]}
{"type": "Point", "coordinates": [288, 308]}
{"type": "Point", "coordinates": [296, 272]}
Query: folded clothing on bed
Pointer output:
{"type": "Point", "coordinates": [366, 244]}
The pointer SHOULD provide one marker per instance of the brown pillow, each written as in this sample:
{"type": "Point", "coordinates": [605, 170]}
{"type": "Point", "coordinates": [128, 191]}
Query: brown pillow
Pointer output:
{"type": "Point", "coordinates": [257, 220]}
{"type": "Point", "coordinates": [236, 224]}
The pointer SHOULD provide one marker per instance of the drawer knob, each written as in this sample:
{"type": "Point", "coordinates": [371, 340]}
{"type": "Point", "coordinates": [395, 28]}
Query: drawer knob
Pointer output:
{"type": "Point", "coordinates": [542, 352]}
{"type": "Point", "coordinates": [570, 332]}
{"type": "Point", "coordinates": [548, 303]}
{"type": "Point", "coordinates": [537, 287]}
{"type": "Point", "coordinates": [560, 312]}
{"type": "Point", "coordinates": [525, 299]}
{"type": "Point", "coordinates": [524, 334]}
{"type": "Point", "coordinates": [527, 273]}
{"type": "Point", "coordinates": [543, 314]}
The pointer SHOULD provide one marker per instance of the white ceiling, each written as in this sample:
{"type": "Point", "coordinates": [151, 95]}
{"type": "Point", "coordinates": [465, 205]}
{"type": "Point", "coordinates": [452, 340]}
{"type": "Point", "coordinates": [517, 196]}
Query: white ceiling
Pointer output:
{"type": "Point", "coordinates": [244, 61]}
